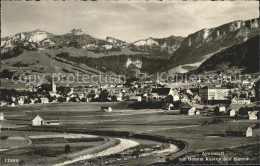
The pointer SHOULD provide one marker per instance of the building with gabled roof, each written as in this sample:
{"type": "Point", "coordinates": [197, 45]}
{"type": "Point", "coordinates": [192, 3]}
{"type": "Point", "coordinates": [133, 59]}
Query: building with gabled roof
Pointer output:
{"type": "Point", "coordinates": [161, 93]}
{"type": "Point", "coordinates": [2, 116]}
{"type": "Point", "coordinates": [231, 112]}
{"type": "Point", "coordinates": [167, 106]}
{"type": "Point", "coordinates": [106, 109]}
{"type": "Point", "coordinates": [239, 132]}
{"type": "Point", "coordinates": [252, 115]}
{"type": "Point", "coordinates": [37, 120]}
{"type": "Point", "coordinates": [237, 100]}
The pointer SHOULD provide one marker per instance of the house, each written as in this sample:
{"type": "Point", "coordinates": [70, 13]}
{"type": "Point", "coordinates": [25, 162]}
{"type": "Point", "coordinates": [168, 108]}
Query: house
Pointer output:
{"type": "Point", "coordinates": [119, 97]}
{"type": "Point", "coordinates": [53, 87]}
{"type": "Point", "coordinates": [185, 99]}
{"type": "Point", "coordinates": [197, 98]}
{"type": "Point", "coordinates": [197, 112]}
{"type": "Point", "coordinates": [32, 101]}
{"type": "Point", "coordinates": [237, 100]}
{"type": "Point", "coordinates": [67, 99]}
{"type": "Point", "coordinates": [12, 105]}
{"type": "Point", "coordinates": [252, 115]}
{"type": "Point", "coordinates": [158, 94]}
{"type": "Point", "coordinates": [241, 132]}
{"type": "Point", "coordinates": [20, 101]}
{"type": "Point", "coordinates": [175, 97]}
{"type": "Point", "coordinates": [221, 108]}
{"type": "Point", "coordinates": [81, 96]}
{"type": "Point", "coordinates": [37, 120]}
{"type": "Point", "coordinates": [167, 106]}
{"type": "Point", "coordinates": [231, 112]}
{"type": "Point", "coordinates": [3, 103]}
{"type": "Point", "coordinates": [106, 109]}
{"type": "Point", "coordinates": [135, 98]}
{"type": "Point", "coordinates": [44, 100]}
{"type": "Point", "coordinates": [2, 116]}
{"type": "Point", "coordinates": [188, 111]}
{"type": "Point", "coordinates": [189, 92]}
{"type": "Point", "coordinates": [192, 111]}
{"type": "Point", "coordinates": [214, 94]}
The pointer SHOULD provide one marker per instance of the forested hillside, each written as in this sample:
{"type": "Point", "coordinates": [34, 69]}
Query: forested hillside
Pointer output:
{"type": "Point", "coordinates": [245, 55]}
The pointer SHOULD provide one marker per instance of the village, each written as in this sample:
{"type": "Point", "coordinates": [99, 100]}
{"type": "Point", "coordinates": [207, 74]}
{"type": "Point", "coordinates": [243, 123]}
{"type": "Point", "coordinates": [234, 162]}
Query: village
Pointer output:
{"type": "Point", "coordinates": [180, 112]}
{"type": "Point", "coordinates": [237, 99]}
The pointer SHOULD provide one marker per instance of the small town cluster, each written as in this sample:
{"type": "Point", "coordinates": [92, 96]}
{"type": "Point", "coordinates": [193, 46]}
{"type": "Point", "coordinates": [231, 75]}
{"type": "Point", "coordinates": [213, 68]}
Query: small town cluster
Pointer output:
{"type": "Point", "coordinates": [232, 99]}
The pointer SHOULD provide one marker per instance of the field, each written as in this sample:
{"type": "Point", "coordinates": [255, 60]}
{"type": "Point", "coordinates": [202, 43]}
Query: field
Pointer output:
{"type": "Point", "coordinates": [87, 118]}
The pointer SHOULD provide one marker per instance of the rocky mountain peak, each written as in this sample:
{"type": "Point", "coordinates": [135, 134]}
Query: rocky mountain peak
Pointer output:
{"type": "Point", "coordinates": [116, 42]}
{"type": "Point", "coordinates": [204, 42]}
{"type": "Point", "coordinates": [77, 32]}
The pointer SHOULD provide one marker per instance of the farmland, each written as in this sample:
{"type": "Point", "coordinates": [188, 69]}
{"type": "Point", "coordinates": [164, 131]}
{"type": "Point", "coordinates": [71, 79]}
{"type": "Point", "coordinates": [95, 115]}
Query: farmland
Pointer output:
{"type": "Point", "coordinates": [108, 128]}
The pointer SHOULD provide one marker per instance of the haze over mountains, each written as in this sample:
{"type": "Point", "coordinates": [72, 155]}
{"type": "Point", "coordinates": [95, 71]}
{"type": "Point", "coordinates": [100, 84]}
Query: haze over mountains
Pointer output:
{"type": "Point", "coordinates": [174, 53]}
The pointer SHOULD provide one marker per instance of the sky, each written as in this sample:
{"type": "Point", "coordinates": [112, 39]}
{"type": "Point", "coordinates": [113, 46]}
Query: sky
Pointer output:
{"type": "Point", "coordinates": [128, 21]}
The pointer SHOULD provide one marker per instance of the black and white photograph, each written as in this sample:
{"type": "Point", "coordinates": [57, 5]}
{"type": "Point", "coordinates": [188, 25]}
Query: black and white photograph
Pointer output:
{"type": "Point", "coordinates": [129, 83]}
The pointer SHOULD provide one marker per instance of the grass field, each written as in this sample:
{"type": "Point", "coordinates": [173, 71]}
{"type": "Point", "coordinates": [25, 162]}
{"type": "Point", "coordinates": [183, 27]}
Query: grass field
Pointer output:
{"type": "Point", "coordinates": [88, 117]}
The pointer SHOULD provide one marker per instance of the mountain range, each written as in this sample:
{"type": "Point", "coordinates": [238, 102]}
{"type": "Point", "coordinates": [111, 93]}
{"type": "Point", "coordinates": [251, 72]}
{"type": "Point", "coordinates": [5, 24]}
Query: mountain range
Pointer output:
{"type": "Point", "coordinates": [44, 52]}
{"type": "Point", "coordinates": [200, 45]}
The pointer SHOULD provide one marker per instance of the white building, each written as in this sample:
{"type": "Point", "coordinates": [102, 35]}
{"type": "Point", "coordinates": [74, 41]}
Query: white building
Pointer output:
{"type": "Point", "coordinates": [236, 100]}
{"type": "Point", "coordinates": [12, 105]}
{"type": "Point", "coordinates": [161, 93]}
{"type": "Point", "coordinates": [213, 94]}
{"type": "Point", "coordinates": [44, 100]}
{"type": "Point", "coordinates": [192, 111]}
{"type": "Point", "coordinates": [106, 109]}
{"type": "Point", "coordinates": [135, 98]}
{"type": "Point", "coordinates": [249, 132]}
{"type": "Point", "coordinates": [185, 99]}
{"type": "Point", "coordinates": [20, 101]}
{"type": "Point", "coordinates": [3, 103]}
{"type": "Point", "coordinates": [37, 121]}
{"type": "Point", "coordinates": [252, 115]}
{"type": "Point", "coordinates": [231, 112]}
{"type": "Point", "coordinates": [2, 116]}
{"type": "Point", "coordinates": [176, 97]}
{"type": "Point", "coordinates": [119, 98]}
{"type": "Point", "coordinates": [221, 108]}
{"type": "Point", "coordinates": [53, 87]}
{"type": "Point", "coordinates": [197, 112]}
{"type": "Point", "coordinates": [168, 106]}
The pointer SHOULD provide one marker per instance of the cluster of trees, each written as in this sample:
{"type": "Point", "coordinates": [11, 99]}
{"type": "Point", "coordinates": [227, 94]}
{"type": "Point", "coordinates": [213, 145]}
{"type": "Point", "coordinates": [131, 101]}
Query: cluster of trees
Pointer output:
{"type": "Point", "coordinates": [117, 63]}
{"type": "Point", "coordinates": [244, 55]}
{"type": "Point", "coordinates": [7, 74]}
{"type": "Point", "coordinates": [11, 54]}
{"type": "Point", "coordinates": [213, 121]}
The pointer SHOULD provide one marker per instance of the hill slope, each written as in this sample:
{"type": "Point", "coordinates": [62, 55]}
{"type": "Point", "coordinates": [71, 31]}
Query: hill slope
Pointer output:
{"type": "Point", "coordinates": [197, 46]}
{"type": "Point", "coordinates": [245, 55]}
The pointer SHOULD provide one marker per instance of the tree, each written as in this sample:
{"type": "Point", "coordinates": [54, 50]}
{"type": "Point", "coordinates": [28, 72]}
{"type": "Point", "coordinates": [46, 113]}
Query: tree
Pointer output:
{"type": "Point", "coordinates": [103, 96]}
{"type": "Point", "coordinates": [67, 148]}
{"type": "Point", "coordinates": [244, 110]}
{"type": "Point", "coordinates": [114, 98]}
{"type": "Point", "coordinates": [169, 99]}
